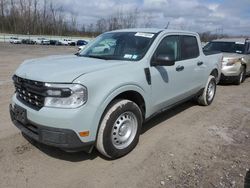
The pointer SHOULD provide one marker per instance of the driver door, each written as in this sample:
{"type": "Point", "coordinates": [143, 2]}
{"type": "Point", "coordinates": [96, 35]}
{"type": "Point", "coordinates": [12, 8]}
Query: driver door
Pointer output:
{"type": "Point", "coordinates": [169, 83]}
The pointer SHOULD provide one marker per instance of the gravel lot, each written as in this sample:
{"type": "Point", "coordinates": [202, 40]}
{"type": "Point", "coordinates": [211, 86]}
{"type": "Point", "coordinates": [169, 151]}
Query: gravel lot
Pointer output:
{"type": "Point", "coordinates": [188, 146]}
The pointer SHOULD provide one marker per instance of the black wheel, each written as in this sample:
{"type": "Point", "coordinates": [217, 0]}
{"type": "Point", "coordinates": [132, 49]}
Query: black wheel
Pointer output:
{"type": "Point", "coordinates": [119, 129]}
{"type": "Point", "coordinates": [208, 94]}
{"type": "Point", "coordinates": [241, 78]}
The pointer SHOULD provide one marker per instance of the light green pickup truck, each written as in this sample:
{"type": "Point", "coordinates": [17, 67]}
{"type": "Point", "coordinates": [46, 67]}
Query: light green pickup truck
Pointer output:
{"type": "Point", "coordinates": [101, 96]}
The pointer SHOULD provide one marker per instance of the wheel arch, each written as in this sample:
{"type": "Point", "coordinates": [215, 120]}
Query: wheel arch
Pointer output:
{"type": "Point", "coordinates": [132, 92]}
{"type": "Point", "coordinates": [215, 73]}
{"type": "Point", "coordinates": [134, 96]}
{"type": "Point", "coordinates": [244, 65]}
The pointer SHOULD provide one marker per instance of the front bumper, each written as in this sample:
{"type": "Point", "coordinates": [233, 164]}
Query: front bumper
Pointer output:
{"type": "Point", "coordinates": [65, 139]}
{"type": "Point", "coordinates": [226, 79]}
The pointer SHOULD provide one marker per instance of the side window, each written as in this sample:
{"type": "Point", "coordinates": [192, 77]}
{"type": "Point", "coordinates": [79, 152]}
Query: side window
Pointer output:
{"type": "Point", "coordinates": [168, 47]}
{"type": "Point", "coordinates": [189, 47]}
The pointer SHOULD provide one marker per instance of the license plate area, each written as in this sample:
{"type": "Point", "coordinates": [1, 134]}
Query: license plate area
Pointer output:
{"type": "Point", "coordinates": [20, 114]}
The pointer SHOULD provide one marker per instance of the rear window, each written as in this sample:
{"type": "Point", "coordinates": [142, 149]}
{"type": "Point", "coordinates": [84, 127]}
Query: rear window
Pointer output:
{"type": "Point", "coordinates": [189, 47]}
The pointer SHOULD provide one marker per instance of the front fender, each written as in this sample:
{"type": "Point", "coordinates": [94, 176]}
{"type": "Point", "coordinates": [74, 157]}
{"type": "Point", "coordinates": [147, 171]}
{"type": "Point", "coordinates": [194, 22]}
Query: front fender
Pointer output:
{"type": "Point", "coordinates": [110, 97]}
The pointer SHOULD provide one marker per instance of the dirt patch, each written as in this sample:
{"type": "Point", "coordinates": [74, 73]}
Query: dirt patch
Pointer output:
{"type": "Point", "coordinates": [22, 149]}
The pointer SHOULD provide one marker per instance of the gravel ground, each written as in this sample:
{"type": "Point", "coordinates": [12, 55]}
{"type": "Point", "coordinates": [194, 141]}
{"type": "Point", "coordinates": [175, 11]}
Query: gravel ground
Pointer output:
{"type": "Point", "coordinates": [188, 146]}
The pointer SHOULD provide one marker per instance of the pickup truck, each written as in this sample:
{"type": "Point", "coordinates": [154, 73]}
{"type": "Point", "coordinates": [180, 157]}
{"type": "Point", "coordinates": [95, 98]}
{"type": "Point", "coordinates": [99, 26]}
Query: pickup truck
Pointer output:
{"type": "Point", "coordinates": [15, 40]}
{"type": "Point", "coordinates": [236, 58]}
{"type": "Point", "coordinates": [101, 98]}
{"type": "Point", "coordinates": [42, 41]}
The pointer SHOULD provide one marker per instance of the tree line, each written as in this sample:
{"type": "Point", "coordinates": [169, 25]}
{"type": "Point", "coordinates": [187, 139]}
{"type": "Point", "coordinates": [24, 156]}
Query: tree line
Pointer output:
{"type": "Point", "coordinates": [34, 17]}
{"type": "Point", "coordinates": [43, 17]}
{"type": "Point", "coordinates": [208, 36]}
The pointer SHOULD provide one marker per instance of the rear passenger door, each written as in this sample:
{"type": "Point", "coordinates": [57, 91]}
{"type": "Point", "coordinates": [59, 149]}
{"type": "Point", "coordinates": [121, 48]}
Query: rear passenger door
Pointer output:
{"type": "Point", "coordinates": [194, 67]}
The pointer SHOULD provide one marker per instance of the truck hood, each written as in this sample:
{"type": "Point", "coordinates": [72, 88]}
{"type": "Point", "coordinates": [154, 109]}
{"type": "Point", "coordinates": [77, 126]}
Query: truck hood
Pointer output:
{"type": "Point", "coordinates": [62, 69]}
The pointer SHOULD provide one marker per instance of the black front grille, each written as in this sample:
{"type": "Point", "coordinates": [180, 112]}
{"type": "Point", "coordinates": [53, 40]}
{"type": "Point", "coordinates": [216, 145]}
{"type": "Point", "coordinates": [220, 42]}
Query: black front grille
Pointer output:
{"type": "Point", "coordinates": [32, 93]}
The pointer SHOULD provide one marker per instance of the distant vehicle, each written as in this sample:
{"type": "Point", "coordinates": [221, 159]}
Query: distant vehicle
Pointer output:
{"type": "Point", "coordinates": [236, 58]}
{"type": "Point", "coordinates": [15, 40]}
{"type": "Point", "coordinates": [39, 40]}
{"type": "Point", "coordinates": [28, 41]}
{"type": "Point", "coordinates": [81, 43]}
{"type": "Point", "coordinates": [54, 42]}
{"type": "Point", "coordinates": [81, 47]}
{"type": "Point", "coordinates": [65, 42]}
{"type": "Point", "coordinates": [101, 98]}
{"type": "Point", "coordinates": [59, 43]}
{"type": "Point", "coordinates": [72, 43]}
{"type": "Point", "coordinates": [42, 41]}
{"type": "Point", "coordinates": [45, 42]}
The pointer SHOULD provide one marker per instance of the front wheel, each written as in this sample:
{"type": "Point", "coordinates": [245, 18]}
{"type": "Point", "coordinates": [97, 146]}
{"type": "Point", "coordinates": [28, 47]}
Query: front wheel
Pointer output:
{"type": "Point", "coordinates": [241, 78]}
{"type": "Point", "coordinates": [119, 129]}
{"type": "Point", "coordinates": [208, 94]}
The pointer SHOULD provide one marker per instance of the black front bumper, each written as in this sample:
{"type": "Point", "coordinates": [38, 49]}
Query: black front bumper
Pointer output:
{"type": "Point", "coordinates": [224, 78]}
{"type": "Point", "coordinates": [65, 139]}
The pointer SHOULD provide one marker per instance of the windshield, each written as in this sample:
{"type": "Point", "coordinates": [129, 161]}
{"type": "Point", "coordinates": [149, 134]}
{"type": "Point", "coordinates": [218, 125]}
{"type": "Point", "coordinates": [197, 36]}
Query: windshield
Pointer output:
{"type": "Point", "coordinates": [129, 46]}
{"type": "Point", "coordinates": [228, 47]}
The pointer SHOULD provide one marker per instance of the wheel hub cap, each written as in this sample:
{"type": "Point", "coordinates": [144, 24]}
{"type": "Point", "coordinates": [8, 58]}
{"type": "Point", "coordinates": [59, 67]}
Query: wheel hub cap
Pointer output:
{"type": "Point", "coordinates": [124, 130]}
{"type": "Point", "coordinates": [211, 90]}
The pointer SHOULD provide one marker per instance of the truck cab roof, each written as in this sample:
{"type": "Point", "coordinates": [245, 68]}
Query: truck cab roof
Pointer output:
{"type": "Point", "coordinates": [154, 30]}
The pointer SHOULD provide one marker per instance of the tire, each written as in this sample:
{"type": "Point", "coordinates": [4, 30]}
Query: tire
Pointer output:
{"type": "Point", "coordinates": [207, 97]}
{"type": "Point", "coordinates": [241, 78]}
{"type": "Point", "coordinates": [119, 129]}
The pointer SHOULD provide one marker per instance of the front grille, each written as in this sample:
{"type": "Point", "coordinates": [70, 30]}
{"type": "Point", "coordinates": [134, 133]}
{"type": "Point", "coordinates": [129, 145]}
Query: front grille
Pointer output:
{"type": "Point", "coordinates": [29, 92]}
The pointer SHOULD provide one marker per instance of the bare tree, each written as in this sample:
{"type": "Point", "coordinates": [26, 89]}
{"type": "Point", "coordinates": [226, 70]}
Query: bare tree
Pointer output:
{"type": "Point", "coordinates": [43, 17]}
{"type": "Point", "coordinates": [147, 20]}
{"type": "Point", "coordinates": [2, 12]}
{"type": "Point", "coordinates": [101, 25]}
{"type": "Point", "coordinates": [119, 20]}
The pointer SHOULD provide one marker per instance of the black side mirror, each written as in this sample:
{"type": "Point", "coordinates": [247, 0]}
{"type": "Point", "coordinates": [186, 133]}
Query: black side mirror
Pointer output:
{"type": "Point", "coordinates": [162, 60]}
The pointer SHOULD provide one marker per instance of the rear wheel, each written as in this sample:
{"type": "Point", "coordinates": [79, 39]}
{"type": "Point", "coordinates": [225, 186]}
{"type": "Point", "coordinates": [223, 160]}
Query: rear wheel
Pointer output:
{"type": "Point", "coordinates": [208, 94]}
{"type": "Point", "coordinates": [119, 129]}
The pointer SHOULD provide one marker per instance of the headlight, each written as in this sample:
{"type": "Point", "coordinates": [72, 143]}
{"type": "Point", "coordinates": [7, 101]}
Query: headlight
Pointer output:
{"type": "Point", "coordinates": [65, 95]}
{"type": "Point", "coordinates": [230, 62]}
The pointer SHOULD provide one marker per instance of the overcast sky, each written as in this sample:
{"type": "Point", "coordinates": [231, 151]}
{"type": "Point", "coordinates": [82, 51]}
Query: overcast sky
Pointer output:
{"type": "Point", "coordinates": [227, 16]}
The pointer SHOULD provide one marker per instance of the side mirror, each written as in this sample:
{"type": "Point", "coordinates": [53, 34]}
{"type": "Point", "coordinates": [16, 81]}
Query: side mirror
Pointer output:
{"type": "Point", "coordinates": [162, 60]}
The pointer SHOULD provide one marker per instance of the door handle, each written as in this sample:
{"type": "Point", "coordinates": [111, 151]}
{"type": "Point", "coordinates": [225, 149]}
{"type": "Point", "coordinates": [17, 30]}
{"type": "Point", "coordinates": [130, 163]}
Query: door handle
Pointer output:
{"type": "Point", "coordinates": [179, 68]}
{"type": "Point", "coordinates": [200, 63]}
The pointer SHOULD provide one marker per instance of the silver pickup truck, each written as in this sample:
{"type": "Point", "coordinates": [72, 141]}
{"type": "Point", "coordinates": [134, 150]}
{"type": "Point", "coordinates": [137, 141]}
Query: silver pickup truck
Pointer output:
{"type": "Point", "coordinates": [236, 58]}
{"type": "Point", "coordinates": [101, 96]}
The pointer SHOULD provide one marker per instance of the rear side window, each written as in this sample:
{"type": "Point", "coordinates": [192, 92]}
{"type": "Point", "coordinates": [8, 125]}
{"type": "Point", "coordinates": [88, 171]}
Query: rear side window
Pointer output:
{"type": "Point", "coordinates": [189, 47]}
